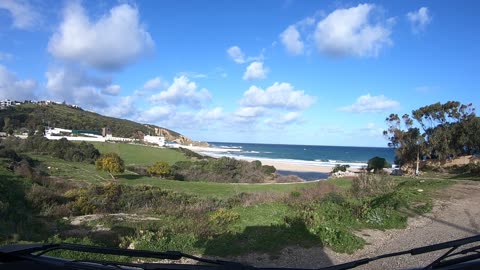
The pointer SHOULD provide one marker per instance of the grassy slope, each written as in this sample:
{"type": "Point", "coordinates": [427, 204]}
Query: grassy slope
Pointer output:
{"type": "Point", "coordinates": [71, 118]}
{"type": "Point", "coordinates": [145, 156]}
{"type": "Point", "coordinates": [263, 222]}
{"type": "Point", "coordinates": [139, 154]}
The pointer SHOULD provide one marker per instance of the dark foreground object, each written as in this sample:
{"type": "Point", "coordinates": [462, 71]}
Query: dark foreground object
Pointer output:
{"type": "Point", "coordinates": [461, 254]}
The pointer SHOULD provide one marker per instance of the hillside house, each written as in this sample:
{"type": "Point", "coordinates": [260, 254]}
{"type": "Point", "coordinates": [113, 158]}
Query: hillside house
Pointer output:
{"type": "Point", "coordinates": [154, 140]}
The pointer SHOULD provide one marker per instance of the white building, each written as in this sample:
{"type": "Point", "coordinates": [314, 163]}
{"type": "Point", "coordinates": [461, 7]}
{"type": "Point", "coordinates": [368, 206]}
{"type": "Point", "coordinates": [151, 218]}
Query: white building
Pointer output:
{"type": "Point", "coordinates": [57, 131]}
{"type": "Point", "coordinates": [154, 139]}
{"type": "Point", "coordinates": [6, 103]}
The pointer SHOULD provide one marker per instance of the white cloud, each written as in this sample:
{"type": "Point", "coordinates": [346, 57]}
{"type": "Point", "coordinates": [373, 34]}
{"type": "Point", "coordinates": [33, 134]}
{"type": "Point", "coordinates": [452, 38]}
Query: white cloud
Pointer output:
{"type": "Point", "coordinates": [292, 40]}
{"type": "Point", "coordinates": [5, 56]}
{"type": "Point", "coordinates": [112, 90]}
{"type": "Point", "coordinates": [110, 43]}
{"type": "Point", "coordinates": [236, 54]}
{"type": "Point", "coordinates": [290, 117]}
{"type": "Point", "coordinates": [248, 112]}
{"type": "Point", "coordinates": [350, 31]}
{"type": "Point", "coordinates": [373, 104]}
{"type": "Point", "coordinates": [279, 95]}
{"type": "Point", "coordinates": [122, 107]}
{"type": "Point", "coordinates": [152, 84]}
{"type": "Point", "coordinates": [373, 130]}
{"type": "Point", "coordinates": [13, 88]}
{"type": "Point", "coordinates": [24, 16]}
{"type": "Point", "coordinates": [255, 71]}
{"type": "Point", "coordinates": [156, 114]}
{"type": "Point", "coordinates": [192, 74]}
{"type": "Point", "coordinates": [182, 92]}
{"type": "Point", "coordinates": [419, 19]}
{"type": "Point", "coordinates": [213, 114]}
{"type": "Point", "coordinates": [75, 86]}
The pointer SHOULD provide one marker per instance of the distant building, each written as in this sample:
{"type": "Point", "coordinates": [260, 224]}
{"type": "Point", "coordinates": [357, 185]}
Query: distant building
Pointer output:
{"type": "Point", "coordinates": [106, 131]}
{"type": "Point", "coordinates": [154, 139]}
{"type": "Point", "coordinates": [6, 103]}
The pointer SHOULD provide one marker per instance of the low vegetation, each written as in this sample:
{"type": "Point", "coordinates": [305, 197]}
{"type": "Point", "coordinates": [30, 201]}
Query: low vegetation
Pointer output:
{"type": "Point", "coordinates": [43, 199]}
{"type": "Point", "coordinates": [226, 170]}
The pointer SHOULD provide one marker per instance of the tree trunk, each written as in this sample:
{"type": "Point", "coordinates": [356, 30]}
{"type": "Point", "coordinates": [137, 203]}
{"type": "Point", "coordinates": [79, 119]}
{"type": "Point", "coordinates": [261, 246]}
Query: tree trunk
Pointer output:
{"type": "Point", "coordinates": [418, 161]}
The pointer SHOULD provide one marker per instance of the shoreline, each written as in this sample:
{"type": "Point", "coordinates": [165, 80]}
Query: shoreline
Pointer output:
{"type": "Point", "coordinates": [280, 164]}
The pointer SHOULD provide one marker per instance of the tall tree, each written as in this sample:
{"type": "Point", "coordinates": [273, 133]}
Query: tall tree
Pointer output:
{"type": "Point", "coordinates": [445, 128]}
{"type": "Point", "coordinates": [406, 139]}
{"type": "Point", "coordinates": [449, 129]}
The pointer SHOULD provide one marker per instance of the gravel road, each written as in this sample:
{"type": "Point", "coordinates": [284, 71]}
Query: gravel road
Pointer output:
{"type": "Point", "coordinates": [456, 214]}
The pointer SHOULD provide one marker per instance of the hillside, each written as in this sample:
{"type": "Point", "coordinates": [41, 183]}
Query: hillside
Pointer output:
{"type": "Point", "coordinates": [34, 116]}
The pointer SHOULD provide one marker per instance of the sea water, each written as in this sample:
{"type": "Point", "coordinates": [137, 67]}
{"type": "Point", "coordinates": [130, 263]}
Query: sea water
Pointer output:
{"type": "Point", "coordinates": [329, 156]}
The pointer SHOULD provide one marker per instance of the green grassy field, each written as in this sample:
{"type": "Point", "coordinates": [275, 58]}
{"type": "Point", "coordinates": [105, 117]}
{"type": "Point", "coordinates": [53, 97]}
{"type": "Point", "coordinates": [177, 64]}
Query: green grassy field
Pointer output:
{"type": "Point", "coordinates": [140, 154]}
{"type": "Point", "coordinates": [87, 173]}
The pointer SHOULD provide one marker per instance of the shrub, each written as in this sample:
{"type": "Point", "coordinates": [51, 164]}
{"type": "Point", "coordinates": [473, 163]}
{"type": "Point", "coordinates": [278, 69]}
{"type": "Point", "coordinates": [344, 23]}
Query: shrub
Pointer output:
{"type": "Point", "coordinates": [227, 170]}
{"type": "Point", "coordinates": [111, 163]}
{"type": "Point", "coordinates": [377, 164]}
{"type": "Point", "coordinates": [223, 217]}
{"type": "Point", "coordinates": [267, 169]}
{"type": "Point", "coordinates": [340, 168]}
{"type": "Point", "coordinates": [161, 168]}
{"type": "Point", "coordinates": [368, 185]}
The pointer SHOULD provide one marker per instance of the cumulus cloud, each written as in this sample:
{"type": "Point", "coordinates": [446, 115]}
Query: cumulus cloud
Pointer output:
{"type": "Point", "coordinates": [113, 41]}
{"type": "Point", "coordinates": [112, 90]}
{"type": "Point", "coordinates": [279, 95]}
{"type": "Point", "coordinates": [14, 88]}
{"type": "Point", "coordinates": [419, 19]}
{"type": "Point", "coordinates": [152, 84]}
{"type": "Point", "coordinates": [236, 54]}
{"type": "Point", "coordinates": [255, 71]}
{"type": "Point", "coordinates": [182, 92]}
{"type": "Point", "coordinates": [75, 86]}
{"type": "Point", "coordinates": [156, 114]}
{"type": "Point", "coordinates": [24, 16]}
{"type": "Point", "coordinates": [122, 107]}
{"type": "Point", "coordinates": [208, 115]}
{"type": "Point", "coordinates": [352, 32]}
{"type": "Point", "coordinates": [292, 40]}
{"type": "Point", "coordinates": [373, 104]}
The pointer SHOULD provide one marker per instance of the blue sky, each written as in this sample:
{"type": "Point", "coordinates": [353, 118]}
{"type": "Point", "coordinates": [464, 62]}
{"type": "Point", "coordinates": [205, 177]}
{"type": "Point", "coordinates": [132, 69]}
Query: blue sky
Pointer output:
{"type": "Point", "coordinates": [292, 72]}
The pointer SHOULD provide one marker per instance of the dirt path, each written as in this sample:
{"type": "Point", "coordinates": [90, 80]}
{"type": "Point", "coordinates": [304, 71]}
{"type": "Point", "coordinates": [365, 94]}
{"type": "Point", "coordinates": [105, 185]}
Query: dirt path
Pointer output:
{"type": "Point", "coordinates": [456, 214]}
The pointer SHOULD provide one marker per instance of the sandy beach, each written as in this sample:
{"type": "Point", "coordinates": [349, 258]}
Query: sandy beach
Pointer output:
{"type": "Point", "coordinates": [279, 164]}
{"type": "Point", "coordinates": [296, 167]}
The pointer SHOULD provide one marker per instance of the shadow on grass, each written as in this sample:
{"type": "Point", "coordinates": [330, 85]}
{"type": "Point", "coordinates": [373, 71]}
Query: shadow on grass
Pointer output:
{"type": "Point", "coordinates": [129, 176]}
{"type": "Point", "coordinates": [466, 176]}
{"type": "Point", "coordinates": [273, 240]}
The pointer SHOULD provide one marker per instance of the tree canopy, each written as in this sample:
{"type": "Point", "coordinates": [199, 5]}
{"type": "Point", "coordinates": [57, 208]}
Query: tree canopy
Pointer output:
{"type": "Point", "coordinates": [436, 131]}
{"type": "Point", "coordinates": [161, 168]}
{"type": "Point", "coordinates": [111, 163]}
{"type": "Point", "coordinates": [377, 164]}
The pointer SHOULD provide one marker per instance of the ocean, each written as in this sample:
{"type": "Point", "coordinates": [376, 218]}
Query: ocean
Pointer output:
{"type": "Point", "coordinates": [356, 157]}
